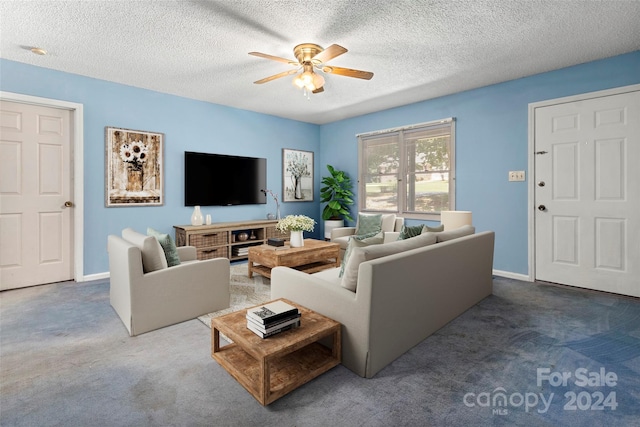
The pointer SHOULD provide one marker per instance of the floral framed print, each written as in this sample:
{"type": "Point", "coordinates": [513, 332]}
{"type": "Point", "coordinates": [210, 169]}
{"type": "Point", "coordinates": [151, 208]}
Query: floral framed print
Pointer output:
{"type": "Point", "coordinates": [134, 169]}
{"type": "Point", "coordinates": [297, 175]}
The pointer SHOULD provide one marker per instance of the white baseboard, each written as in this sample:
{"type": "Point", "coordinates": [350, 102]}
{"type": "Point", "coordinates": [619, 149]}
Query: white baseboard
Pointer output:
{"type": "Point", "coordinates": [97, 276]}
{"type": "Point", "coordinates": [510, 275]}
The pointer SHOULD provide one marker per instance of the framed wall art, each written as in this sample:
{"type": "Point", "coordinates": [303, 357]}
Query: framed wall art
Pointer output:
{"type": "Point", "coordinates": [297, 175]}
{"type": "Point", "coordinates": [134, 168]}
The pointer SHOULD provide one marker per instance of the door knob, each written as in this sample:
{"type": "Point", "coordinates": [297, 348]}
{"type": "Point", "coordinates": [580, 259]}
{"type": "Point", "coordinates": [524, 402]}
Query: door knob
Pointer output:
{"type": "Point", "coordinates": [542, 208]}
{"type": "Point", "coordinates": [68, 204]}
{"type": "Point", "coordinates": [541, 184]}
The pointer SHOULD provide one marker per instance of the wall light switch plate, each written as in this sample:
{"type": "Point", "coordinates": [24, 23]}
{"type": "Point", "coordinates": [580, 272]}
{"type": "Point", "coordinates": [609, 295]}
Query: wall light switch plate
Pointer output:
{"type": "Point", "coordinates": [516, 175]}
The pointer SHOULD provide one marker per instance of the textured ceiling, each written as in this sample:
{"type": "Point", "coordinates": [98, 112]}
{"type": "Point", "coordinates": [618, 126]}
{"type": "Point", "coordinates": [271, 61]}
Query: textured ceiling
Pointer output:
{"type": "Point", "coordinates": [417, 49]}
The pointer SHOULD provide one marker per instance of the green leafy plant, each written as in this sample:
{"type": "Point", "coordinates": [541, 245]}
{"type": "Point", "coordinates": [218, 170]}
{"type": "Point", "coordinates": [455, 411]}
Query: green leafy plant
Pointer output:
{"type": "Point", "coordinates": [336, 193]}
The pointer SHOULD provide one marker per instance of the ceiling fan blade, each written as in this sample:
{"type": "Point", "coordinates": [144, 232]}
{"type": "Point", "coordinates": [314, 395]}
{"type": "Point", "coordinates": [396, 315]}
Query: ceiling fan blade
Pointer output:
{"type": "Point", "coordinates": [329, 53]}
{"type": "Point", "coordinates": [319, 90]}
{"type": "Point", "coordinates": [359, 74]}
{"type": "Point", "coordinates": [276, 76]}
{"type": "Point", "coordinates": [274, 58]}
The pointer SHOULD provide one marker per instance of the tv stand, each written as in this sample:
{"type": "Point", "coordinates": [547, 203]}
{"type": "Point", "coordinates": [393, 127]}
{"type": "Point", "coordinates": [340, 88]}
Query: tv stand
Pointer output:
{"type": "Point", "coordinates": [226, 239]}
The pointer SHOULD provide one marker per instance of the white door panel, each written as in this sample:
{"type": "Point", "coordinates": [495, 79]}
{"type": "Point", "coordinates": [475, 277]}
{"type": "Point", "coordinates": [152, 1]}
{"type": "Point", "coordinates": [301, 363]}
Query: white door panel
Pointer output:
{"type": "Point", "coordinates": [35, 165]}
{"type": "Point", "coordinates": [587, 171]}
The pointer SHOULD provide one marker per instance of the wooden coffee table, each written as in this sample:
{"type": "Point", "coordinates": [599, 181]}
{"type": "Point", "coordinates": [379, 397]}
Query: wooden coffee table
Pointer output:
{"type": "Point", "coordinates": [314, 256]}
{"type": "Point", "coordinates": [272, 367]}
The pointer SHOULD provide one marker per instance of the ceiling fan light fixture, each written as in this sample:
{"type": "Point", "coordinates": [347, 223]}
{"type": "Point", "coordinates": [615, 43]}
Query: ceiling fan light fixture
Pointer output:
{"type": "Point", "coordinates": [297, 80]}
{"type": "Point", "coordinates": [310, 56]}
{"type": "Point", "coordinates": [309, 80]}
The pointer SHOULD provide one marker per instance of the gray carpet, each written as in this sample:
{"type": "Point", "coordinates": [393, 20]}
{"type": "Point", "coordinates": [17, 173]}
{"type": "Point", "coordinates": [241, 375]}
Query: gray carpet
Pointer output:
{"type": "Point", "coordinates": [245, 292]}
{"type": "Point", "coordinates": [67, 360]}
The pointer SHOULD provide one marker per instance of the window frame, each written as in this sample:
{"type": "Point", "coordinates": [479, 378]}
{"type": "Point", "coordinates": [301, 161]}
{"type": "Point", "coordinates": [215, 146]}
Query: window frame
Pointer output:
{"type": "Point", "coordinates": [403, 171]}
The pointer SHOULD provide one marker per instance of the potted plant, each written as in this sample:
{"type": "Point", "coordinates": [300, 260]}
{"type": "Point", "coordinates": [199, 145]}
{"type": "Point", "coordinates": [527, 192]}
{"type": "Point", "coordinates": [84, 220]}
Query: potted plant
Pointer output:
{"type": "Point", "coordinates": [336, 193]}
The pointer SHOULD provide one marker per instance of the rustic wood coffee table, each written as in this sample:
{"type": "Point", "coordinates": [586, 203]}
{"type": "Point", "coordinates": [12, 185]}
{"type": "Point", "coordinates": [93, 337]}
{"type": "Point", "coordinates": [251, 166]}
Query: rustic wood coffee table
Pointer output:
{"type": "Point", "coordinates": [272, 367]}
{"type": "Point", "coordinates": [314, 256]}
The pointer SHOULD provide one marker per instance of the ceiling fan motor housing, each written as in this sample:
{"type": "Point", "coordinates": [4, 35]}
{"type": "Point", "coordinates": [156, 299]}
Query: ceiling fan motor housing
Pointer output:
{"type": "Point", "coordinates": [306, 51]}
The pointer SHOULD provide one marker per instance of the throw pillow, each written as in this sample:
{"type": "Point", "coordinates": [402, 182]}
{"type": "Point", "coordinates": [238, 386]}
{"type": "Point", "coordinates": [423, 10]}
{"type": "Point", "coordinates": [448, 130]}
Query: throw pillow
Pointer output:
{"type": "Point", "coordinates": [427, 229]}
{"type": "Point", "coordinates": [409, 231]}
{"type": "Point", "coordinates": [368, 224]}
{"type": "Point", "coordinates": [360, 241]}
{"type": "Point", "coordinates": [465, 230]}
{"type": "Point", "coordinates": [369, 252]}
{"type": "Point", "coordinates": [168, 246]}
{"type": "Point", "coordinates": [153, 257]}
{"type": "Point", "coordinates": [388, 222]}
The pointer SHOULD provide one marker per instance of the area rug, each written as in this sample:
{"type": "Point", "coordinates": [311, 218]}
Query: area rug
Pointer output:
{"type": "Point", "coordinates": [245, 292]}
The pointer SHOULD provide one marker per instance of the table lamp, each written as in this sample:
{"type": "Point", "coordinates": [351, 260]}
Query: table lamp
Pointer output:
{"type": "Point", "coordinates": [455, 219]}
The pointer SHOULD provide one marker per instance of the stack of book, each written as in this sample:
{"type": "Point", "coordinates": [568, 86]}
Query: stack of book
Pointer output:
{"type": "Point", "coordinates": [240, 250]}
{"type": "Point", "coordinates": [272, 318]}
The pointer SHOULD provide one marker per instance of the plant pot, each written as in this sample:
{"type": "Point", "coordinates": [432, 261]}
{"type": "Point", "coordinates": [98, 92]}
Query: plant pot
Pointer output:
{"type": "Point", "coordinates": [330, 224]}
{"type": "Point", "coordinates": [296, 239]}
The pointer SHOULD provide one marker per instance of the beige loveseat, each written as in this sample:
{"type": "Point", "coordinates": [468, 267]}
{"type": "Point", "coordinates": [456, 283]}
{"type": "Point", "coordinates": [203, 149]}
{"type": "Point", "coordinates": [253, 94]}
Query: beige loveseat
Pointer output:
{"type": "Point", "coordinates": [341, 235]}
{"type": "Point", "coordinates": [403, 294]}
{"type": "Point", "coordinates": [147, 300]}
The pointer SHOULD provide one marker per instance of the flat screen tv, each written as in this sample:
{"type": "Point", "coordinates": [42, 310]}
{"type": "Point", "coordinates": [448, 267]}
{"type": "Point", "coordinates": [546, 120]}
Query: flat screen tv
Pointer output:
{"type": "Point", "coordinates": [222, 180]}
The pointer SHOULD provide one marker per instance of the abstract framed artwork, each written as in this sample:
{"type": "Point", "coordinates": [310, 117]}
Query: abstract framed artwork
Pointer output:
{"type": "Point", "coordinates": [134, 168]}
{"type": "Point", "coordinates": [297, 175]}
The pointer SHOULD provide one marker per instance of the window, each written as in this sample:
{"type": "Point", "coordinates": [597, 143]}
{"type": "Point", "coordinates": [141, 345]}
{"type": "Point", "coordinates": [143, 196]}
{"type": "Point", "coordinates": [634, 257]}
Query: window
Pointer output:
{"type": "Point", "coordinates": [408, 170]}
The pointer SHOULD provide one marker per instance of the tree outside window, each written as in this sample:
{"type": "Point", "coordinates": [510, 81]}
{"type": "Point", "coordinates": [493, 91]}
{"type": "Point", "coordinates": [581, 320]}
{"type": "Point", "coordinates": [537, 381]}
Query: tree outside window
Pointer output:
{"type": "Point", "coordinates": [408, 171]}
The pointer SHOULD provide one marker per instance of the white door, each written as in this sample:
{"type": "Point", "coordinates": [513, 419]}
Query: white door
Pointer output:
{"type": "Point", "coordinates": [35, 185]}
{"type": "Point", "coordinates": [587, 193]}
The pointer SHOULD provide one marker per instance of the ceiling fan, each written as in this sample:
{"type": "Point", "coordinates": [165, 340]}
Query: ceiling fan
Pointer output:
{"type": "Point", "coordinates": [310, 56]}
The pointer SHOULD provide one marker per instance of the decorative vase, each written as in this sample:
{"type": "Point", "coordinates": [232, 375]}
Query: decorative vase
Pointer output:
{"type": "Point", "coordinates": [243, 236]}
{"type": "Point", "coordinates": [296, 239]}
{"type": "Point", "coordinates": [196, 216]}
{"type": "Point", "coordinates": [271, 216]}
{"type": "Point", "coordinates": [134, 180]}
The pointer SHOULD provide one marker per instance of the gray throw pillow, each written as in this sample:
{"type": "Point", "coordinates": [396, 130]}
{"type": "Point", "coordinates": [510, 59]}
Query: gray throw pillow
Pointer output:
{"type": "Point", "coordinates": [465, 230]}
{"type": "Point", "coordinates": [409, 231]}
{"type": "Point", "coordinates": [360, 241]}
{"type": "Point", "coordinates": [153, 257]}
{"type": "Point", "coordinates": [168, 246]}
{"type": "Point", "coordinates": [369, 252]}
{"type": "Point", "coordinates": [368, 223]}
{"type": "Point", "coordinates": [427, 229]}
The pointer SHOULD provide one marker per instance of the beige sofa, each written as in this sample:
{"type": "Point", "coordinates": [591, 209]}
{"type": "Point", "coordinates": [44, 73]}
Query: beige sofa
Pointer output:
{"type": "Point", "coordinates": [149, 300]}
{"type": "Point", "coordinates": [400, 298]}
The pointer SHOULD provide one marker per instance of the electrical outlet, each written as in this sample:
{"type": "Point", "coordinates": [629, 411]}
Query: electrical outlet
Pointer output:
{"type": "Point", "coordinates": [516, 175]}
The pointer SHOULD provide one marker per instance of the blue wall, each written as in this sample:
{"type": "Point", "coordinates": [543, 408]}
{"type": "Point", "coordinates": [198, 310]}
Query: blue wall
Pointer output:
{"type": "Point", "coordinates": [187, 125]}
{"type": "Point", "coordinates": [491, 139]}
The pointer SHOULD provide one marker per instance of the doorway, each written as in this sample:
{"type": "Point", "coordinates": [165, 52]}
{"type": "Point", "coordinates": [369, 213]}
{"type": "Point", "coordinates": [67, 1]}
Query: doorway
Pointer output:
{"type": "Point", "coordinates": [586, 191]}
{"type": "Point", "coordinates": [34, 203]}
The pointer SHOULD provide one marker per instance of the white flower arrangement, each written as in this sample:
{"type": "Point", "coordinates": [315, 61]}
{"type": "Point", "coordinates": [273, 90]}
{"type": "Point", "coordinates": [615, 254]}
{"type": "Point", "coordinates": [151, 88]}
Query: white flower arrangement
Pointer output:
{"type": "Point", "coordinates": [296, 223]}
{"type": "Point", "coordinates": [134, 153]}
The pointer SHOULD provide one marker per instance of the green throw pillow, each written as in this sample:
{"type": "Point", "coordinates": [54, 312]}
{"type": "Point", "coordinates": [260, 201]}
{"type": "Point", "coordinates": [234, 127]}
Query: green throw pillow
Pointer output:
{"type": "Point", "coordinates": [433, 229]}
{"type": "Point", "coordinates": [168, 246]}
{"type": "Point", "coordinates": [409, 231]}
{"type": "Point", "coordinates": [368, 224]}
{"type": "Point", "coordinates": [360, 241]}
